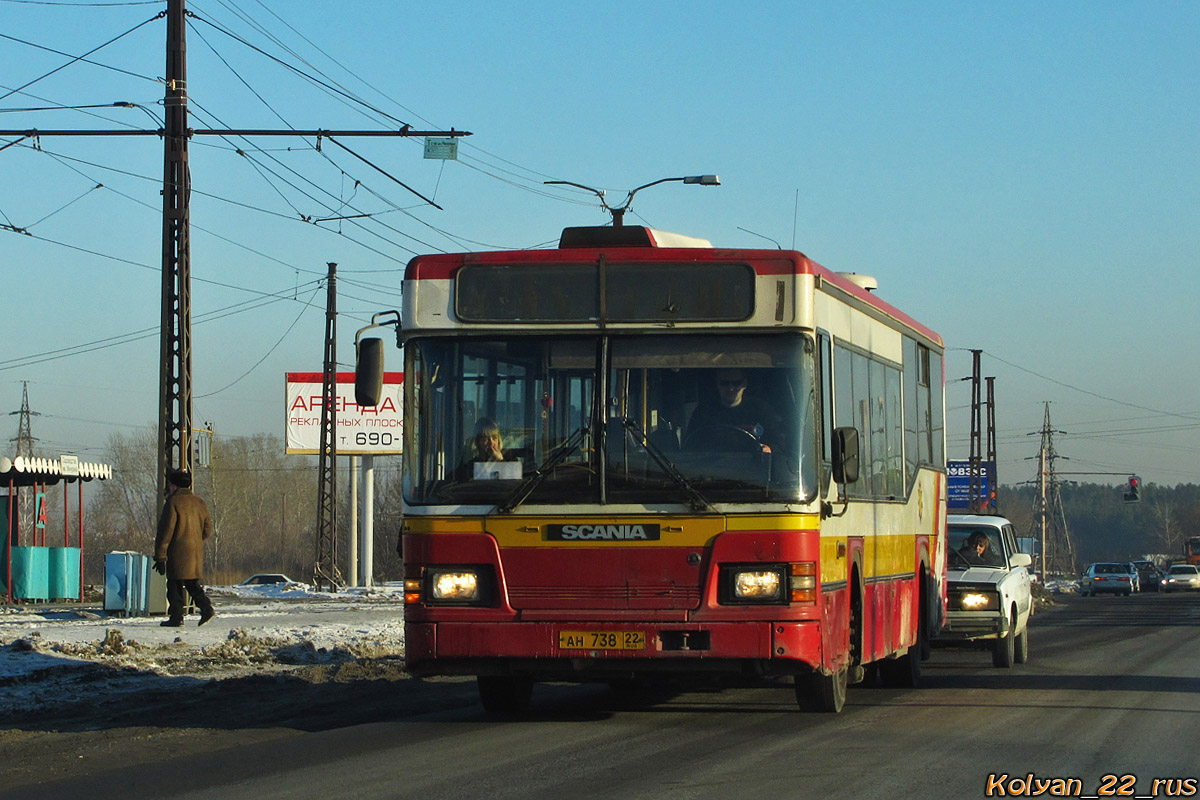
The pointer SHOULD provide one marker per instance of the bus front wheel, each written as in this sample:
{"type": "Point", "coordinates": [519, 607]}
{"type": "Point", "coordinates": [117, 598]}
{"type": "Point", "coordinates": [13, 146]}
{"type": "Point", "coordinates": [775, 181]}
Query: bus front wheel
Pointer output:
{"type": "Point", "coordinates": [826, 693]}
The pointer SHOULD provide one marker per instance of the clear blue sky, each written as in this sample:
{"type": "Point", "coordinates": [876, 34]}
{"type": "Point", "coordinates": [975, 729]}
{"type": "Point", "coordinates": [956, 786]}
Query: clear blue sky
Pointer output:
{"type": "Point", "coordinates": [1022, 176]}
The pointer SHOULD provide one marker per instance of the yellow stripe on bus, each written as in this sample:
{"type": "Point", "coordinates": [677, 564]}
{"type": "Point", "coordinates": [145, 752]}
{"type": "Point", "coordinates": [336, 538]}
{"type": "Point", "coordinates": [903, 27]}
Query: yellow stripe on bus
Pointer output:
{"type": "Point", "coordinates": [883, 555]}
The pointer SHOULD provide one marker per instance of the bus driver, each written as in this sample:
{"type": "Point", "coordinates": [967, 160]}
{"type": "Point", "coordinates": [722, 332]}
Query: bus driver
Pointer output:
{"type": "Point", "coordinates": [735, 410]}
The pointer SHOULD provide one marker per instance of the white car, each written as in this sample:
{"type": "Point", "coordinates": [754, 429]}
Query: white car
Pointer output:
{"type": "Point", "coordinates": [989, 588]}
{"type": "Point", "coordinates": [266, 579]}
{"type": "Point", "coordinates": [1182, 577]}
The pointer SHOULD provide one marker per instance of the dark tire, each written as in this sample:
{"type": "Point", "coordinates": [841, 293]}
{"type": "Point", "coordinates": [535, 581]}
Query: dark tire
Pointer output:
{"type": "Point", "coordinates": [502, 694]}
{"type": "Point", "coordinates": [903, 672]}
{"type": "Point", "coordinates": [824, 693]}
{"type": "Point", "coordinates": [1005, 650]}
{"type": "Point", "coordinates": [928, 618]}
{"type": "Point", "coordinates": [1021, 647]}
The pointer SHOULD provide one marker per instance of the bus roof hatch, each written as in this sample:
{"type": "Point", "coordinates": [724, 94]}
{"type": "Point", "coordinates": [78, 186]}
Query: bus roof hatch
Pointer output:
{"type": "Point", "coordinates": [626, 236]}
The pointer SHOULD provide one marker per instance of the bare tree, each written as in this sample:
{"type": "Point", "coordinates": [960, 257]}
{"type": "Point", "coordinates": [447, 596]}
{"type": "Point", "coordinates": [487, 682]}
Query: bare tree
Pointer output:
{"type": "Point", "coordinates": [262, 503]}
{"type": "Point", "coordinates": [1166, 525]}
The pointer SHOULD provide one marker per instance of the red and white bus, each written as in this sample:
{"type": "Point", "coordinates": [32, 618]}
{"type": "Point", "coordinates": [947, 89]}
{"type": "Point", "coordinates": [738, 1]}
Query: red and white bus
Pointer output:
{"type": "Point", "coordinates": [710, 461]}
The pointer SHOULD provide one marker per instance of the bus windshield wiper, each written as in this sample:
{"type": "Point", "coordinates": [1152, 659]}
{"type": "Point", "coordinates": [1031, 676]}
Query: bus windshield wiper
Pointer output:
{"type": "Point", "coordinates": [698, 501]}
{"type": "Point", "coordinates": [527, 486]}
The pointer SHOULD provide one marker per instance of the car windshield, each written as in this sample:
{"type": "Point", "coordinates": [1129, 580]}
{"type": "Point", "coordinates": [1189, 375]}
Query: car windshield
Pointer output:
{"type": "Point", "coordinates": [639, 419]}
{"type": "Point", "coordinates": [975, 546]}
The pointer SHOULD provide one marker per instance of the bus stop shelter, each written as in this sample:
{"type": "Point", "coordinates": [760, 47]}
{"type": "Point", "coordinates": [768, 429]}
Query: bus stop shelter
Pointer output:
{"type": "Point", "coordinates": [35, 566]}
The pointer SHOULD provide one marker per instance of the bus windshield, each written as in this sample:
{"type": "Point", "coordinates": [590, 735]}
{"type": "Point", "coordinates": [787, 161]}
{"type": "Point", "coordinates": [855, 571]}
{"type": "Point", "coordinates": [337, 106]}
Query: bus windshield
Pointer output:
{"type": "Point", "coordinates": [578, 420]}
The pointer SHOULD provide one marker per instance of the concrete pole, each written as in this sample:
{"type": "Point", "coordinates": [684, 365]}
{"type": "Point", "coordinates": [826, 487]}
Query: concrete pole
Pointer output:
{"type": "Point", "coordinates": [368, 543]}
{"type": "Point", "coordinates": [352, 567]}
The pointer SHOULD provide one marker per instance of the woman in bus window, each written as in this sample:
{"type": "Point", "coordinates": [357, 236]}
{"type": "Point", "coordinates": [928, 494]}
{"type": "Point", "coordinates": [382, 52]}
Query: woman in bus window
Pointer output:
{"type": "Point", "coordinates": [487, 444]}
{"type": "Point", "coordinates": [487, 447]}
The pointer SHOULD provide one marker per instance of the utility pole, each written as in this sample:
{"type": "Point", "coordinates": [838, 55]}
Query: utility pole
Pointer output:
{"type": "Point", "coordinates": [175, 346]}
{"type": "Point", "coordinates": [175, 338]}
{"type": "Point", "coordinates": [979, 464]}
{"type": "Point", "coordinates": [1049, 522]}
{"type": "Point", "coordinates": [974, 464]}
{"type": "Point", "coordinates": [989, 503]}
{"type": "Point", "coordinates": [326, 573]}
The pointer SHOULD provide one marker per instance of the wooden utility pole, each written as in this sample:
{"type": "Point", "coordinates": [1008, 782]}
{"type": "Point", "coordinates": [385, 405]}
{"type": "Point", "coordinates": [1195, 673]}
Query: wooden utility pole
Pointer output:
{"type": "Point", "coordinates": [989, 502]}
{"type": "Point", "coordinates": [975, 463]}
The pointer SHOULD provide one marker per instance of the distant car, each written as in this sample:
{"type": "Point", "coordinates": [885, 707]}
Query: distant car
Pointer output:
{"type": "Point", "coordinates": [1115, 577]}
{"type": "Point", "coordinates": [265, 578]}
{"type": "Point", "coordinates": [990, 601]}
{"type": "Point", "coordinates": [1182, 577]}
{"type": "Point", "coordinates": [1149, 576]}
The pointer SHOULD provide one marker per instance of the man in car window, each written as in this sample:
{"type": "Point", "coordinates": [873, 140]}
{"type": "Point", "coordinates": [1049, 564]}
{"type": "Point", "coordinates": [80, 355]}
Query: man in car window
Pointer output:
{"type": "Point", "coordinates": [977, 550]}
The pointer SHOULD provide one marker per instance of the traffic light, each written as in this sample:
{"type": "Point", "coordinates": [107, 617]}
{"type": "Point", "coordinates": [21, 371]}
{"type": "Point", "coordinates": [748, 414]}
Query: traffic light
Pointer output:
{"type": "Point", "coordinates": [1133, 490]}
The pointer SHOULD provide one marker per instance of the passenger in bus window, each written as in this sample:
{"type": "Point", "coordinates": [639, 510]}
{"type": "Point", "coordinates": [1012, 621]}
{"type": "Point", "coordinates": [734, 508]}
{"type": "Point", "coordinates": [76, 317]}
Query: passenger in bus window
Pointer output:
{"type": "Point", "coordinates": [487, 444]}
{"type": "Point", "coordinates": [733, 408]}
{"type": "Point", "coordinates": [487, 447]}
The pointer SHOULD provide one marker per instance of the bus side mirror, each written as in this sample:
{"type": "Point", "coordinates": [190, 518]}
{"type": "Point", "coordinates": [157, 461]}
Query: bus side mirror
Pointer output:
{"type": "Point", "coordinates": [368, 372]}
{"type": "Point", "coordinates": [845, 455]}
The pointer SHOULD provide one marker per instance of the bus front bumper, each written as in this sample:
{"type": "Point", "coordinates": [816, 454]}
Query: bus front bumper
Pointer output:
{"type": "Point", "coordinates": [572, 650]}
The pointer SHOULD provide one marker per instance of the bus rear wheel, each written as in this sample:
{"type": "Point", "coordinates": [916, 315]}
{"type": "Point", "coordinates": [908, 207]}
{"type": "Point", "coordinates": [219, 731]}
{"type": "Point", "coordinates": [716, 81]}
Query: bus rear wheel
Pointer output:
{"type": "Point", "coordinates": [825, 693]}
{"type": "Point", "coordinates": [504, 694]}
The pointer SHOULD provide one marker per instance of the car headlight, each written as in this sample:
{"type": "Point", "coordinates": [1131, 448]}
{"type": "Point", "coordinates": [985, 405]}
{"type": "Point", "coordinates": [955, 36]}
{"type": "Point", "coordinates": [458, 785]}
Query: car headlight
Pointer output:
{"type": "Point", "coordinates": [971, 599]}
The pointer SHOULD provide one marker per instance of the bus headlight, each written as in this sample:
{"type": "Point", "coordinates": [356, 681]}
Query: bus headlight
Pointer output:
{"type": "Point", "coordinates": [756, 584]}
{"type": "Point", "coordinates": [457, 586]}
{"type": "Point", "coordinates": [753, 584]}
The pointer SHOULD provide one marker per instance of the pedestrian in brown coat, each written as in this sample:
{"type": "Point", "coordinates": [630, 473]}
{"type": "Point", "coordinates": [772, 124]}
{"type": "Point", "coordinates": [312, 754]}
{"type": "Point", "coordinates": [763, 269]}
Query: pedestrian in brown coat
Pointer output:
{"type": "Point", "coordinates": [179, 548]}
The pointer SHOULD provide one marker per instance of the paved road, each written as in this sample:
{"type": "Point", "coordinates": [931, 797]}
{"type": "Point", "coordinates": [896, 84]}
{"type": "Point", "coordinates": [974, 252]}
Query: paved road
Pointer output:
{"type": "Point", "coordinates": [1109, 698]}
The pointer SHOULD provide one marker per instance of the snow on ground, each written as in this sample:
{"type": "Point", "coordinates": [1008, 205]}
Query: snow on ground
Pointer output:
{"type": "Point", "coordinates": [48, 652]}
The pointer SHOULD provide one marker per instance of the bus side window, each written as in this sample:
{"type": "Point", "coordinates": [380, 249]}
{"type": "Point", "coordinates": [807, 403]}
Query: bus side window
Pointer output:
{"type": "Point", "coordinates": [825, 365]}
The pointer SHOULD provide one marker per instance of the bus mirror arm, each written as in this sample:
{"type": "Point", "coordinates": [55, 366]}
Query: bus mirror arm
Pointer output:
{"type": "Point", "coordinates": [845, 467]}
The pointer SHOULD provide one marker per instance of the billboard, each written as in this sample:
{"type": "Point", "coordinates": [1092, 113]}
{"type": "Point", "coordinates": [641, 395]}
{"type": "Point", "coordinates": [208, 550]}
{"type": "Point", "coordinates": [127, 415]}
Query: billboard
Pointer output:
{"type": "Point", "coordinates": [958, 483]}
{"type": "Point", "coordinates": [361, 430]}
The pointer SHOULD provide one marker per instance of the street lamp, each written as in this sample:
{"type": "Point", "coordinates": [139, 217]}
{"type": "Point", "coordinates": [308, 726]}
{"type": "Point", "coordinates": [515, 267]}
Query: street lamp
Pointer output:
{"type": "Point", "coordinates": [618, 214]}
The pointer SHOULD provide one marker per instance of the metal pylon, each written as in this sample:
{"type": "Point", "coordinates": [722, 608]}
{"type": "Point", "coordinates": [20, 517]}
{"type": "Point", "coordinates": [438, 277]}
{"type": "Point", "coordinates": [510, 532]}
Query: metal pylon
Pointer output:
{"type": "Point", "coordinates": [24, 442]}
{"type": "Point", "coordinates": [1049, 524]}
